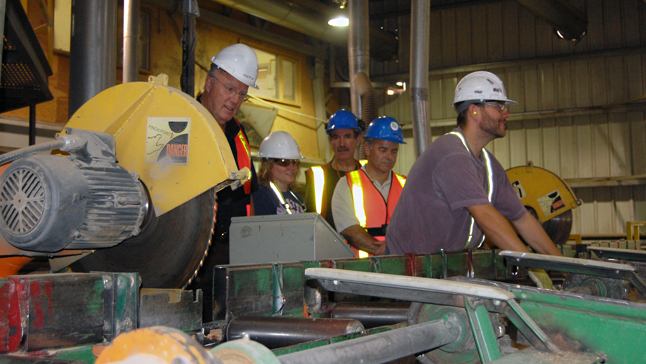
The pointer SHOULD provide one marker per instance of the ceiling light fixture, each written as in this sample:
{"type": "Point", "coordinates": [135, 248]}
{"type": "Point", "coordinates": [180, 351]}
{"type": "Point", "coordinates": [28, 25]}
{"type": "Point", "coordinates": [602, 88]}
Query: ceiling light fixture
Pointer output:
{"type": "Point", "coordinates": [339, 21]}
{"type": "Point", "coordinates": [401, 87]}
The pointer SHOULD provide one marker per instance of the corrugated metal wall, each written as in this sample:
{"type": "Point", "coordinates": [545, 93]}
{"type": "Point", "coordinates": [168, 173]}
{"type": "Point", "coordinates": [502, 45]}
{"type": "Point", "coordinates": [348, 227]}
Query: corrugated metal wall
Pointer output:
{"type": "Point", "coordinates": [572, 118]}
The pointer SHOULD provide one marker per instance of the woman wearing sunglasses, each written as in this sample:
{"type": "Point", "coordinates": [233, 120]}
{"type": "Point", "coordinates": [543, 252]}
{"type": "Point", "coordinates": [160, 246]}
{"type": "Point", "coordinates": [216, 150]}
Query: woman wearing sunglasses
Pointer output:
{"type": "Point", "coordinates": [280, 167]}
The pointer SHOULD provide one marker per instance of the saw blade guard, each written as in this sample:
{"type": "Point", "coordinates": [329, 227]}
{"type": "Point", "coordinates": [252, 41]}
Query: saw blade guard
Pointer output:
{"type": "Point", "coordinates": [545, 192]}
{"type": "Point", "coordinates": [167, 137]}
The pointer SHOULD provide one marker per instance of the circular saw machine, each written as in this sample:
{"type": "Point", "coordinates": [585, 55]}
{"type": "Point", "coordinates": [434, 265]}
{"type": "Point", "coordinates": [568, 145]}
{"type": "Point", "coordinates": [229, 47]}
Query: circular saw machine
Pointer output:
{"type": "Point", "coordinates": [546, 196]}
{"type": "Point", "coordinates": [131, 186]}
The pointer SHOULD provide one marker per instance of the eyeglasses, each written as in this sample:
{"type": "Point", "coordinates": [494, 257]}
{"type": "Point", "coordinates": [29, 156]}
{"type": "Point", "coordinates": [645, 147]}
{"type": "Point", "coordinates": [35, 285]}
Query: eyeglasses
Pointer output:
{"type": "Point", "coordinates": [287, 162]}
{"type": "Point", "coordinates": [501, 107]}
{"type": "Point", "coordinates": [230, 91]}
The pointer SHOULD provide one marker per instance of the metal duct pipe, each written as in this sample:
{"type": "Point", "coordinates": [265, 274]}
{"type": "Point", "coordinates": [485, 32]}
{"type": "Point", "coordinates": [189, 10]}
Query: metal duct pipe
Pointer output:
{"type": "Point", "coordinates": [383, 347]}
{"type": "Point", "coordinates": [291, 16]}
{"type": "Point", "coordinates": [567, 21]}
{"type": "Point", "coordinates": [93, 50]}
{"type": "Point", "coordinates": [131, 10]}
{"type": "Point", "coordinates": [358, 49]}
{"type": "Point", "coordinates": [368, 102]}
{"type": "Point", "coordinates": [419, 60]}
{"type": "Point", "coordinates": [276, 332]}
{"type": "Point", "coordinates": [372, 314]}
{"type": "Point", "coordinates": [368, 97]}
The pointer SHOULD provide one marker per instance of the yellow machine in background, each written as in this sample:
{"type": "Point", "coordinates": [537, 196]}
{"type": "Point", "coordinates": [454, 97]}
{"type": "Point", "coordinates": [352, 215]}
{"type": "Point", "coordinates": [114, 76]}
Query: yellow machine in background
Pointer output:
{"type": "Point", "coordinates": [138, 178]}
{"type": "Point", "coordinates": [547, 197]}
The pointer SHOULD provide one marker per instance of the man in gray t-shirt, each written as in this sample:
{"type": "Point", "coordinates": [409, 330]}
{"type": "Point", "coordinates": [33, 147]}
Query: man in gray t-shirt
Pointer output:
{"type": "Point", "coordinates": [457, 192]}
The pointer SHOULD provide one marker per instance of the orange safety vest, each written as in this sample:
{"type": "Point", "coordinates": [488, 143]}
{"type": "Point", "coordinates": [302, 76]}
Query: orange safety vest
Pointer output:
{"type": "Point", "coordinates": [244, 158]}
{"type": "Point", "coordinates": [370, 208]}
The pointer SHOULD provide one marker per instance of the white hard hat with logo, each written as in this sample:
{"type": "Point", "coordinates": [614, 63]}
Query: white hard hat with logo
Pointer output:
{"type": "Point", "coordinates": [478, 87]}
{"type": "Point", "coordinates": [279, 145]}
{"type": "Point", "coordinates": [240, 61]}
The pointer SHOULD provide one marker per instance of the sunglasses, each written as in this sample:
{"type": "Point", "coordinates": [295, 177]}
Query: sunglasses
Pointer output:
{"type": "Point", "coordinates": [287, 162]}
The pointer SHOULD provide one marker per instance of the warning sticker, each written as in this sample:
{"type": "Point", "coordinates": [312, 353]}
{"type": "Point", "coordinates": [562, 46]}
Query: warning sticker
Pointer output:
{"type": "Point", "coordinates": [167, 140]}
{"type": "Point", "coordinates": [518, 188]}
{"type": "Point", "coordinates": [551, 203]}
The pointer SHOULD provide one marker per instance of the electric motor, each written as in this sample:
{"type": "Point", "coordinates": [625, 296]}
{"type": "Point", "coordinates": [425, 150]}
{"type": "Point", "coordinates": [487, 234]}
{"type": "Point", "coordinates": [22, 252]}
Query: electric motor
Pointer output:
{"type": "Point", "coordinates": [49, 203]}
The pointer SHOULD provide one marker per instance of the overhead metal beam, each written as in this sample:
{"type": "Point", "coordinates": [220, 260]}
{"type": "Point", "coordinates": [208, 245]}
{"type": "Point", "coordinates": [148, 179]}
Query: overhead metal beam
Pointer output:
{"type": "Point", "coordinates": [640, 50]}
{"type": "Point", "coordinates": [247, 30]}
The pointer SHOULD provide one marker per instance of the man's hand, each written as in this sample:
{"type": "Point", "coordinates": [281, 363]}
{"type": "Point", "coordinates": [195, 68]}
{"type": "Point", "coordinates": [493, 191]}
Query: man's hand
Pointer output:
{"type": "Point", "coordinates": [381, 247]}
{"type": "Point", "coordinates": [360, 239]}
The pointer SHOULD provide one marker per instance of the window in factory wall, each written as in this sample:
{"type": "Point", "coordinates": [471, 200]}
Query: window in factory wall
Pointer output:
{"type": "Point", "coordinates": [289, 80]}
{"type": "Point", "coordinates": [277, 78]}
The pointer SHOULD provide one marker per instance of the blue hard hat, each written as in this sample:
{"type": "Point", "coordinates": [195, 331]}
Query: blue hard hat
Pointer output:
{"type": "Point", "coordinates": [386, 128]}
{"type": "Point", "coordinates": [343, 119]}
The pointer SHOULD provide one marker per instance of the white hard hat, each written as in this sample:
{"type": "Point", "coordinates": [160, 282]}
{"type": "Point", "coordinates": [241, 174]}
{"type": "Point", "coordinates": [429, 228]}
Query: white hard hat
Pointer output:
{"type": "Point", "coordinates": [240, 61]}
{"type": "Point", "coordinates": [478, 87]}
{"type": "Point", "coordinates": [280, 145]}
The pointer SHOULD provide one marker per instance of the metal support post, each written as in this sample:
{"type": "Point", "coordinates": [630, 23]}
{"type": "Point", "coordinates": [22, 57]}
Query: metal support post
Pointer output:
{"type": "Point", "coordinates": [189, 39]}
{"type": "Point", "coordinates": [482, 329]}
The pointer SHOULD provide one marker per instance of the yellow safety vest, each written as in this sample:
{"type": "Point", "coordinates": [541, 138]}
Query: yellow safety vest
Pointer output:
{"type": "Point", "coordinates": [489, 184]}
{"type": "Point", "coordinates": [319, 185]}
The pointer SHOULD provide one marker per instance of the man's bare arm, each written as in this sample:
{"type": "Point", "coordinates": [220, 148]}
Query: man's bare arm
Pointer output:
{"type": "Point", "coordinates": [497, 228]}
{"type": "Point", "coordinates": [360, 239]}
{"type": "Point", "coordinates": [534, 234]}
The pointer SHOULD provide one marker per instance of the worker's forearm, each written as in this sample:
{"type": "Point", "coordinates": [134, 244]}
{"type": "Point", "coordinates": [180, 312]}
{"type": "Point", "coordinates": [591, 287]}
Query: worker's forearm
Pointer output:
{"type": "Point", "coordinates": [360, 239]}
{"type": "Point", "coordinates": [497, 228]}
{"type": "Point", "coordinates": [534, 234]}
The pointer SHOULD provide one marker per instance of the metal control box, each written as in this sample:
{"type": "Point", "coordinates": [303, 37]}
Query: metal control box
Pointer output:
{"type": "Point", "coordinates": [284, 238]}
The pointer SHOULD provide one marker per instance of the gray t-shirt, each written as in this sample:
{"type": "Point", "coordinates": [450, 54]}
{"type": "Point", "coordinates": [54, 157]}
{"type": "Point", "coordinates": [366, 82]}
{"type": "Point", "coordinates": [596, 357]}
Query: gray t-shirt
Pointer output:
{"type": "Point", "coordinates": [432, 211]}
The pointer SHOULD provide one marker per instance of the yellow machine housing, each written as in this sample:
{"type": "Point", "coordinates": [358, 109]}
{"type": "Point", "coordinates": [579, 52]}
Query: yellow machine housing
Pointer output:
{"type": "Point", "coordinates": [543, 191]}
{"type": "Point", "coordinates": [133, 113]}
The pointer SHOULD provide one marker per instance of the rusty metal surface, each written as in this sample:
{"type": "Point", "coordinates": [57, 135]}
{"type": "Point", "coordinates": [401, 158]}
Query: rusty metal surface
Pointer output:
{"type": "Point", "coordinates": [533, 356]}
{"type": "Point", "coordinates": [40, 312]}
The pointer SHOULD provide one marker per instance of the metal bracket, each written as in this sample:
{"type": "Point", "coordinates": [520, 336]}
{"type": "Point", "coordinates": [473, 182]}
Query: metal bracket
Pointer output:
{"type": "Point", "coordinates": [476, 299]}
{"type": "Point", "coordinates": [614, 253]}
{"type": "Point", "coordinates": [235, 180]}
{"type": "Point", "coordinates": [578, 266]}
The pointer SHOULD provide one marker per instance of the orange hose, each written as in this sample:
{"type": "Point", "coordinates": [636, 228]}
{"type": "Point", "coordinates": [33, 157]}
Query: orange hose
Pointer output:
{"type": "Point", "coordinates": [10, 266]}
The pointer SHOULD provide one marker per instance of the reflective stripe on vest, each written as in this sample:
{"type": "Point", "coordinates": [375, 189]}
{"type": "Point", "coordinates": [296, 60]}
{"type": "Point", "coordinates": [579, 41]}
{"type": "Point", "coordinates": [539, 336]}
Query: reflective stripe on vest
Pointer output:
{"type": "Point", "coordinates": [281, 198]}
{"type": "Point", "coordinates": [244, 155]}
{"type": "Point", "coordinates": [489, 184]}
{"type": "Point", "coordinates": [379, 214]}
{"type": "Point", "coordinates": [319, 185]}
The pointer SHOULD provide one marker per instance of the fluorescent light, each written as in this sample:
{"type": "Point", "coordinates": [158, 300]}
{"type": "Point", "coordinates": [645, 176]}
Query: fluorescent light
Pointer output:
{"type": "Point", "coordinates": [340, 21]}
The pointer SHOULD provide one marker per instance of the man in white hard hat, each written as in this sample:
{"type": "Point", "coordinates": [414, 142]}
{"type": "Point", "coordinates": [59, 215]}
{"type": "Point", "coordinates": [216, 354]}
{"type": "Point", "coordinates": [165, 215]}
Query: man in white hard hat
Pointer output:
{"type": "Point", "coordinates": [234, 69]}
{"type": "Point", "coordinates": [457, 192]}
{"type": "Point", "coordinates": [344, 135]}
{"type": "Point", "coordinates": [364, 200]}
